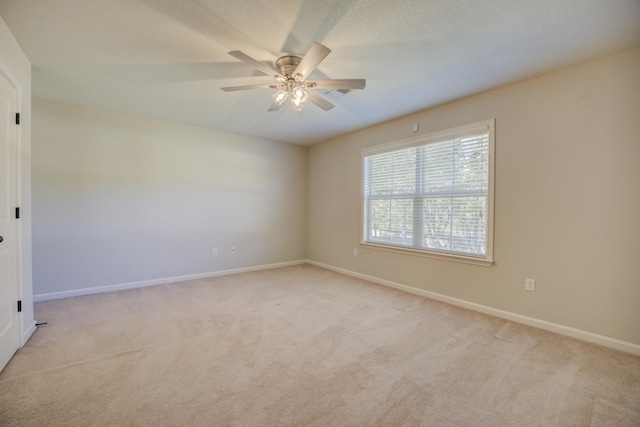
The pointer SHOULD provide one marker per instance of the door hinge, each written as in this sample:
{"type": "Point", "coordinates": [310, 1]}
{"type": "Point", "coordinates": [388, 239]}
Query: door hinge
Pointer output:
{"type": "Point", "coordinates": [17, 213]}
{"type": "Point", "coordinates": [20, 306]}
{"type": "Point", "coordinates": [17, 118]}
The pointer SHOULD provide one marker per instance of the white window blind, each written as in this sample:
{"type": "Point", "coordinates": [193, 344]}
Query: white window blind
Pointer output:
{"type": "Point", "coordinates": [432, 193]}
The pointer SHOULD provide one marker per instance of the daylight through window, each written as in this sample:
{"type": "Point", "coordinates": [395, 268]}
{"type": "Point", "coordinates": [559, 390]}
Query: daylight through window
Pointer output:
{"type": "Point", "coordinates": [432, 193]}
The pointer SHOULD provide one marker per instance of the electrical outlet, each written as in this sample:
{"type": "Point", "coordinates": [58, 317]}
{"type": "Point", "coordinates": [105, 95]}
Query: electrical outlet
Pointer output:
{"type": "Point", "coordinates": [530, 285]}
{"type": "Point", "coordinates": [355, 252]}
{"type": "Point", "coordinates": [214, 252]}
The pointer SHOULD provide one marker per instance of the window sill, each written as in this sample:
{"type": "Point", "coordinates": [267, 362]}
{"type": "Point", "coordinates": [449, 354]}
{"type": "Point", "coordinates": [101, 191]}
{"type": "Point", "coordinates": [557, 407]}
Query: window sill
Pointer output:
{"type": "Point", "coordinates": [428, 254]}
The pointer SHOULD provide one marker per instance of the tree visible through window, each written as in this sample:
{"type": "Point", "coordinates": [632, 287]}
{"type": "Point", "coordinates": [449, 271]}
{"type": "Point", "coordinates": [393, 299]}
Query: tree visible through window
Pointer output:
{"type": "Point", "coordinates": [432, 193]}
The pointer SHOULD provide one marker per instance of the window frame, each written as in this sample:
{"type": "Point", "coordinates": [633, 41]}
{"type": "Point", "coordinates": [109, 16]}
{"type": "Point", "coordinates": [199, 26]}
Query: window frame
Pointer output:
{"type": "Point", "coordinates": [433, 137]}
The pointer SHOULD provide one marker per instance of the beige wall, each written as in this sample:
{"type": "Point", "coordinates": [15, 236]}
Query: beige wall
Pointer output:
{"type": "Point", "coordinates": [120, 199]}
{"type": "Point", "coordinates": [567, 209]}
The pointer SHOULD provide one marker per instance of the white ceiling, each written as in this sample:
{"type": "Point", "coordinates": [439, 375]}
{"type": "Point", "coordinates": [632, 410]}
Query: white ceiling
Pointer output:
{"type": "Point", "coordinates": [168, 58]}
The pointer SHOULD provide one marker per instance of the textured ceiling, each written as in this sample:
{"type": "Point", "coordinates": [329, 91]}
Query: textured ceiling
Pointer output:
{"type": "Point", "coordinates": [168, 58]}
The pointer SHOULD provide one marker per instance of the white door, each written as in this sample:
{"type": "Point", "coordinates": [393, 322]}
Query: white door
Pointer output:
{"type": "Point", "coordinates": [9, 318]}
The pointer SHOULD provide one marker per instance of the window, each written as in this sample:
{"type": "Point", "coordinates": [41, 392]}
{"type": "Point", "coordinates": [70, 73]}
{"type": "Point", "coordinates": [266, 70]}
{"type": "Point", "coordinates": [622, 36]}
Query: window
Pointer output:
{"type": "Point", "coordinates": [432, 194]}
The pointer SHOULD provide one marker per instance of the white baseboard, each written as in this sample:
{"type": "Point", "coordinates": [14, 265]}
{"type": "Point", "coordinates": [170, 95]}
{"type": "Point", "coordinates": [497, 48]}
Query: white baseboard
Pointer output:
{"type": "Point", "coordinates": [154, 282]}
{"type": "Point", "coordinates": [518, 318]}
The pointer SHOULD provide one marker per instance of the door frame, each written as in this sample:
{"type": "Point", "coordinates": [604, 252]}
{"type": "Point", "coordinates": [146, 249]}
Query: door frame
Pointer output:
{"type": "Point", "coordinates": [16, 182]}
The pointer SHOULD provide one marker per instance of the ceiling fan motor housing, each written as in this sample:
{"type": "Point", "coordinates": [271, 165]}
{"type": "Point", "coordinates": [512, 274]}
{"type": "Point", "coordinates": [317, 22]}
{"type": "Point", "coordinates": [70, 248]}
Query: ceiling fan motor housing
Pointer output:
{"type": "Point", "coordinates": [286, 65]}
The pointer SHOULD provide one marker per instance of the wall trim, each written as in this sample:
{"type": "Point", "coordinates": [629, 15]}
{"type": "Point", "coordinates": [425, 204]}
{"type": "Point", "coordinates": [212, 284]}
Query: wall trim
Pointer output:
{"type": "Point", "coordinates": [613, 343]}
{"type": "Point", "coordinates": [142, 284]}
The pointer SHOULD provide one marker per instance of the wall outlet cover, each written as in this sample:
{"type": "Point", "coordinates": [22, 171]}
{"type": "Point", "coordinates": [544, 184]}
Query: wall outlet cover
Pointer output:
{"type": "Point", "coordinates": [530, 285]}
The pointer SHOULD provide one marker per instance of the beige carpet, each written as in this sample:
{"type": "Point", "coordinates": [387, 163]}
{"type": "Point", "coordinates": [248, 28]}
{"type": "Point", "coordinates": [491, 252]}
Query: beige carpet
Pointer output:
{"type": "Point", "coordinates": [304, 346]}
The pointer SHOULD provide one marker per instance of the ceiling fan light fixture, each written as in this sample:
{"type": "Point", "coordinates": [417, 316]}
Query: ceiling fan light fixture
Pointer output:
{"type": "Point", "coordinates": [300, 93]}
{"type": "Point", "coordinates": [280, 96]}
{"type": "Point", "coordinates": [297, 104]}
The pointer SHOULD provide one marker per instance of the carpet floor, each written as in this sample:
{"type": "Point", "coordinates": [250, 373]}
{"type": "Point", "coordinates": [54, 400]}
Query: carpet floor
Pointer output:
{"type": "Point", "coordinates": [303, 346]}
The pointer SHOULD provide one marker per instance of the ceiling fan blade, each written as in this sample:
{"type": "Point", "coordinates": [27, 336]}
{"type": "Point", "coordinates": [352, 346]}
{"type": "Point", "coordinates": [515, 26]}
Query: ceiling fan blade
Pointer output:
{"type": "Point", "coordinates": [311, 60]}
{"type": "Point", "coordinates": [320, 101]}
{"type": "Point", "coordinates": [246, 87]}
{"type": "Point", "coordinates": [259, 65]}
{"type": "Point", "coordinates": [274, 107]}
{"type": "Point", "coordinates": [338, 84]}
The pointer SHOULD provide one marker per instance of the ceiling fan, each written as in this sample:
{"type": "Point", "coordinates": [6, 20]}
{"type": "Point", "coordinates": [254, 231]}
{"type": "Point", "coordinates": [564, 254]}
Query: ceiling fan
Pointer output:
{"type": "Point", "coordinates": [292, 72]}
